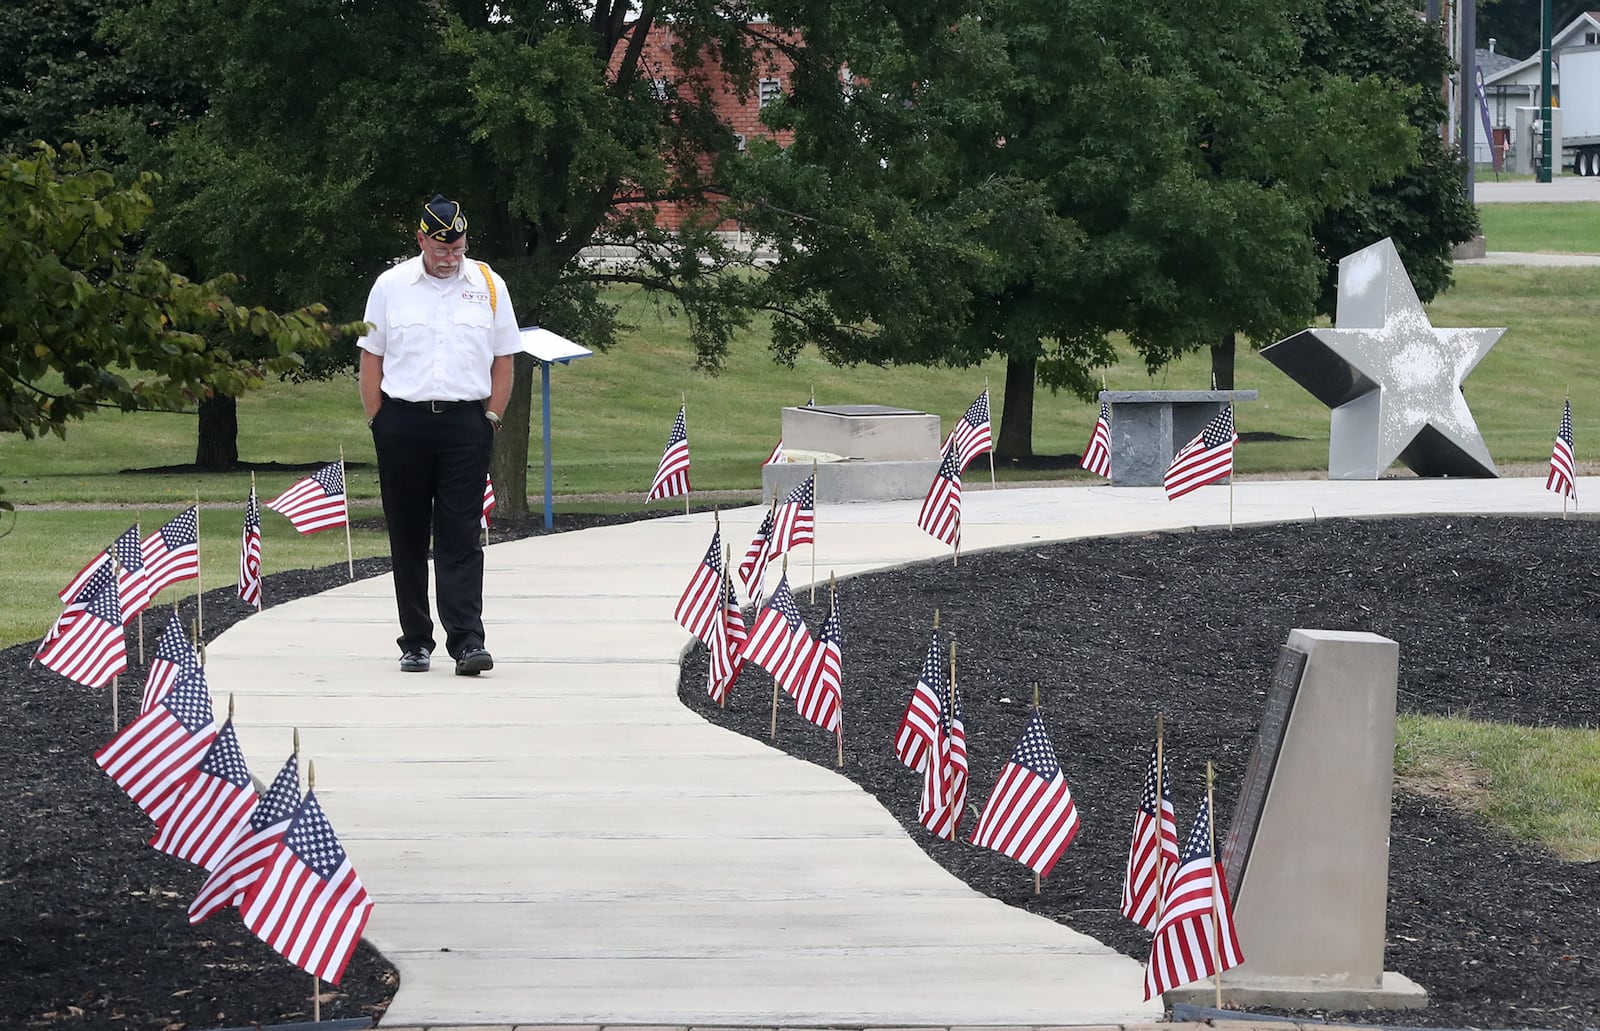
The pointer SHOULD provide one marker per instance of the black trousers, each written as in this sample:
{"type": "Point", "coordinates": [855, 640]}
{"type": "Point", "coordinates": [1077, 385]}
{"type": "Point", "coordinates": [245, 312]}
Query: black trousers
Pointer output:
{"type": "Point", "coordinates": [432, 462]}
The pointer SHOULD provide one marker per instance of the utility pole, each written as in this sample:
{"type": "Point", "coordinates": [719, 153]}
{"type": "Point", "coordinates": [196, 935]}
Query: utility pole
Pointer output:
{"type": "Point", "coordinates": [1545, 171]}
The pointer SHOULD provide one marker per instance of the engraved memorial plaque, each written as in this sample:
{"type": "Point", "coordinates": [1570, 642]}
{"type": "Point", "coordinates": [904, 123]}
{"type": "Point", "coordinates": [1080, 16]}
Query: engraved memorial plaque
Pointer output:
{"type": "Point", "coordinates": [1252, 798]}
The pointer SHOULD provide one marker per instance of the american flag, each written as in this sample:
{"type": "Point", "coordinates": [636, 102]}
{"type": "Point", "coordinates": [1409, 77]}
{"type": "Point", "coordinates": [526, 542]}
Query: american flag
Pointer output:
{"type": "Point", "coordinates": [174, 654]}
{"type": "Point", "coordinates": [698, 608]}
{"type": "Point", "coordinates": [309, 905]}
{"type": "Point", "coordinates": [778, 457]}
{"type": "Point", "coordinates": [941, 509]}
{"type": "Point", "coordinates": [672, 475]}
{"type": "Point", "coordinates": [250, 553]}
{"type": "Point", "coordinates": [821, 702]}
{"type": "Point", "coordinates": [210, 805]}
{"type": "Point", "coordinates": [316, 502]}
{"type": "Point", "coordinates": [727, 644]}
{"type": "Point", "coordinates": [919, 727]}
{"type": "Point", "coordinates": [172, 553]}
{"type": "Point", "coordinates": [1563, 477]}
{"type": "Point", "coordinates": [753, 568]}
{"type": "Point", "coordinates": [253, 840]}
{"type": "Point", "coordinates": [944, 778]}
{"type": "Point", "coordinates": [488, 502]}
{"type": "Point", "coordinates": [1153, 855]}
{"type": "Point", "coordinates": [1097, 453]}
{"type": "Point", "coordinates": [1205, 459]}
{"type": "Point", "coordinates": [100, 574]}
{"type": "Point", "coordinates": [131, 578]}
{"type": "Point", "coordinates": [1030, 816]}
{"type": "Point", "coordinates": [1197, 918]}
{"type": "Point", "coordinates": [151, 756]}
{"type": "Point", "coordinates": [780, 643]}
{"type": "Point", "coordinates": [973, 435]}
{"type": "Point", "coordinates": [795, 521]}
{"type": "Point", "coordinates": [89, 647]}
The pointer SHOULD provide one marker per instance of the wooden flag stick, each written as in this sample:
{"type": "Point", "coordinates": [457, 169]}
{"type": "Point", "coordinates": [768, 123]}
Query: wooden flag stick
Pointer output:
{"type": "Point", "coordinates": [1232, 461]}
{"type": "Point", "coordinates": [773, 733]}
{"type": "Point", "coordinates": [199, 583]}
{"type": "Point", "coordinates": [260, 594]}
{"type": "Point", "coordinates": [116, 723]}
{"type": "Point", "coordinates": [813, 531]}
{"type": "Point", "coordinates": [116, 574]}
{"type": "Point", "coordinates": [1161, 875]}
{"type": "Point", "coordinates": [833, 602]}
{"type": "Point", "coordinates": [722, 617]}
{"type": "Point", "coordinates": [1216, 922]}
{"type": "Point", "coordinates": [1036, 885]}
{"type": "Point", "coordinates": [683, 397]}
{"type": "Point", "coordinates": [991, 429]}
{"type": "Point", "coordinates": [349, 551]}
{"type": "Point", "coordinates": [138, 531]}
{"type": "Point", "coordinates": [936, 619]}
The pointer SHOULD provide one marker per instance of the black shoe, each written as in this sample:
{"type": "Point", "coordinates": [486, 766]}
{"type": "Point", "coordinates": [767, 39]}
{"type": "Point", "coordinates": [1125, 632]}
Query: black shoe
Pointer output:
{"type": "Point", "coordinates": [474, 659]}
{"type": "Point", "coordinates": [415, 661]}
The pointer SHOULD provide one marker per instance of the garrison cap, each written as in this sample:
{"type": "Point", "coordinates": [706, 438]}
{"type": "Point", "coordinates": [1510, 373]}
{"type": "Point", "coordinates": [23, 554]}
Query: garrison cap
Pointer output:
{"type": "Point", "coordinates": [442, 220]}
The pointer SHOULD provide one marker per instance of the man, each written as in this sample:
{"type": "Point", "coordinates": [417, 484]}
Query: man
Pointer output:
{"type": "Point", "coordinates": [435, 377]}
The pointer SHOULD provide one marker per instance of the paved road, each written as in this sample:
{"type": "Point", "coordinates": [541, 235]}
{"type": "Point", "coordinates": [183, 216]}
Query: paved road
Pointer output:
{"type": "Point", "coordinates": [561, 842]}
{"type": "Point", "coordinates": [1564, 189]}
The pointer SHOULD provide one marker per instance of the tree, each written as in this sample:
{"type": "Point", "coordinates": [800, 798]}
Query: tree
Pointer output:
{"type": "Point", "coordinates": [550, 122]}
{"type": "Point", "coordinates": [87, 323]}
{"type": "Point", "coordinates": [1424, 208]}
{"type": "Point", "coordinates": [1024, 179]}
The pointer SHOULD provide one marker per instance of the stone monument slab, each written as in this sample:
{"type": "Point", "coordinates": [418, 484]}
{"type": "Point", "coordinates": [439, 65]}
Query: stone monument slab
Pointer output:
{"type": "Point", "coordinates": [872, 433]}
{"type": "Point", "coordinates": [1149, 426]}
{"type": "Point", "coordinates": [1308, 848]}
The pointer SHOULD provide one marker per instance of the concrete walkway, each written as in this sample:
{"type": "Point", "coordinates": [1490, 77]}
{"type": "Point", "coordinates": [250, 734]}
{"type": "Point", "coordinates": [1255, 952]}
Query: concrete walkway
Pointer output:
{"type": "Point", "coordinates": [561, 842]}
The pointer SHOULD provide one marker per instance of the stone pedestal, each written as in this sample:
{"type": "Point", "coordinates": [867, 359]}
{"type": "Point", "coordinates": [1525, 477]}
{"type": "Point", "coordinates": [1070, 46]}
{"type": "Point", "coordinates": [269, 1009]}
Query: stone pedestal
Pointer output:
{"type": "Point", "coordinates": [1307, 852]}
{"type": "Point", "coordinates": [863, 453]}
{"type": "Point", "coordinates": [1149, 426]}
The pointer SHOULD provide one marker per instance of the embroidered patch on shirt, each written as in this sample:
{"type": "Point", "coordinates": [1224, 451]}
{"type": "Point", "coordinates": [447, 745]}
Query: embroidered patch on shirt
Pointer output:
{"type": "Point", "coordinates": [475, 296]}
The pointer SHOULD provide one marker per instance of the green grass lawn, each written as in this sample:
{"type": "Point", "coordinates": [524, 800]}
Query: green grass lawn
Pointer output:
{"type": "Point", "coordinates": [1552, 228]}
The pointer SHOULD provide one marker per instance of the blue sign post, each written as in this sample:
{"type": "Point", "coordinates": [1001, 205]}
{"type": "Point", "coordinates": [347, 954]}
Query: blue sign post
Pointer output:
{"type": "Point", "coordinates": [550, 349]}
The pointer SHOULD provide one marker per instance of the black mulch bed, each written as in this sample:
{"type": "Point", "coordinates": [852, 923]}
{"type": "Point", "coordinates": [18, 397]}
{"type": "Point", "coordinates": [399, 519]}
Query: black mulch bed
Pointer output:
{"type": "Point", "coordinates": [92, 926]}
{"type": "Point", "coordinates": [1496, 619]}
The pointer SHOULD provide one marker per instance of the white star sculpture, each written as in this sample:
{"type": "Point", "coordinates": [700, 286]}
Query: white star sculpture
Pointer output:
{"type": "Point", "coordinates": [1391, 378]}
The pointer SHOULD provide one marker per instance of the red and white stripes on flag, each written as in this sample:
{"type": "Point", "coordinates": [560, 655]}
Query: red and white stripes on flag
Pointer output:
{"type": "Point", "coordinates": [672, 475]}
{"type": "Point", "coordinates": [820, 703]}
{"type": "Point", "coordinates": [753, 568]}
{"type": "Point", "coordinates": [941, 509]}
{"type": "Point", "coordinates": [309, 904]}
{"type": "Point", "coordinates": [100, 573]}
{"type": "Point", "coordinates": [174, 654]}
{"type": "Point", "coordinates": [250, 552]}
{"type": "Point", "coordinates": [1205, 459]}
{"type": "Point", "coordinates": [780, 643]}
{"type": "Point", "coordinates": [1097, 453]}
{"type": "Point", "coordinates": [701, 603]}
{"type": "Point", "coordinates": [209, 806]}
{"type": "Point", "coordinates": [253, 840]}
{"type": "Point", "coordinates": [1030, 816]}
{"type": "Point", "coordinates": [150, 757]}
{"type": "Point", "coordinates": [1153, 853]}
{"type": "Point", "coordinates": [778, 456]}
{"type": "Point", "coordinates": [172, 554]}
{"type": "Point", "coordinates": [1563, 478]}
{"type": "Point", "coordinates": [973, 432]}
{"type": "Point", "coordinates": [794, 521]}
{"type": "Point", "coordinates": [919, 727]}
{"type": "Point", "coordinates": [945, 777]}
{"type": "Point", "coordinates": [87, 644]}
{"type": "Point", "coordinates": [317, 502]}
{"type": "Point", "coordinates": [1196, 937]}
{"type": "Point", "coordinates": [726, 644]}
{"type": "Point", "coordinates": [128, 553]}
{"type": "Point", "coordinates": [488, 502]}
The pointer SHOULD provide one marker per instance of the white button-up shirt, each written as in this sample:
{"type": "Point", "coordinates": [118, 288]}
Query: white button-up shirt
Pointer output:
{"type": "Point", "coordinates": [438, 337]}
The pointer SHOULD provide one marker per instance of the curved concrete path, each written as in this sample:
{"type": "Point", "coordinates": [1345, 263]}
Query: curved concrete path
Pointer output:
{"type": "Point", "coordinates": [561, 842]}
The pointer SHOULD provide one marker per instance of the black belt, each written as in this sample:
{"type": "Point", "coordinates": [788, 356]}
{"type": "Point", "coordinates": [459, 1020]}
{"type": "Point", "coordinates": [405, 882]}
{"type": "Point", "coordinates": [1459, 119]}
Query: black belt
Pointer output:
{"type": "Point", "coordinates": [436, 407]}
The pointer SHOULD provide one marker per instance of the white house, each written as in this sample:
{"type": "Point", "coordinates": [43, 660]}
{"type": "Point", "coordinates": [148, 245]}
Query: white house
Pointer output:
{"type": "Point", "coordinates": [1509, 84]}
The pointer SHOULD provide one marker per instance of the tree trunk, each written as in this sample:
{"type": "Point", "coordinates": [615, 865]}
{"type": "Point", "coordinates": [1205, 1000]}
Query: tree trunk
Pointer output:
{"type": "Point", "coordinates": [509, 465]}
{"type": "Point", "coordinates": [1016, 421]}
{"type": "Point", "coordinates": [217, 445]}
{"type": "Point", "coordinates": [1222, 353]}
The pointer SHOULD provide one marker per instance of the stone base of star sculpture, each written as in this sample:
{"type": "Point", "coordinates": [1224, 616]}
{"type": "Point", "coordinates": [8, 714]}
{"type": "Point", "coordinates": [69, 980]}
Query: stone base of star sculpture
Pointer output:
{"type": "Point", "coordinates": [1392, 379]}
